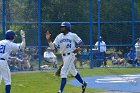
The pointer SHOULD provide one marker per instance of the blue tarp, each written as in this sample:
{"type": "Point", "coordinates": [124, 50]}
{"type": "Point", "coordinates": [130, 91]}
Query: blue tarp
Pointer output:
{"type": "Point", "coordinates": [124, 83]}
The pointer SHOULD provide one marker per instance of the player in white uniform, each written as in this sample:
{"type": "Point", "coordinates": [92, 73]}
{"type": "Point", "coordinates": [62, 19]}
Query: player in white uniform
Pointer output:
{"type": "Point", "coordinates": [102, 46]}
{"type": "Point", "coordinates": [137, 47]}
{"type": "Point", "coordinates": [6, 46]}
{"type": "Point", "coordinates": [66, 41]}
{"type": "Point", "coordinates": [50, 57]}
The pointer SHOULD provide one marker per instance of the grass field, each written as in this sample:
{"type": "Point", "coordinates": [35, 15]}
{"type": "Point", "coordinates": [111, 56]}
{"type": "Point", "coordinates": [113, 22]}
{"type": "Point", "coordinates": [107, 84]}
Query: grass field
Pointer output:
{"type": "Point", "coordinates": [46, 82]}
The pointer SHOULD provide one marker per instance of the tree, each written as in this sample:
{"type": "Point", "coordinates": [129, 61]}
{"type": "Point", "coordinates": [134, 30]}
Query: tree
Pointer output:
{"type": "Point", "coordinates": [75, 11]}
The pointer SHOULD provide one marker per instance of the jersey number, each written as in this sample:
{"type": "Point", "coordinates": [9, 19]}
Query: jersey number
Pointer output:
{"type": "Point", "coordinates": [68, 46]}
{"type": "Point", "coordinates": [2, 48]}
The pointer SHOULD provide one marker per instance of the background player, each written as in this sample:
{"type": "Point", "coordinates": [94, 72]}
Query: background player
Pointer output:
{"type": "Point", "coordinates": [6, 46]}
{"type": "Point", "coordinates": [101, 46]}
{"type": "Point", "coordinates": [137, 47]}
{"type": "Point", "coordinates": [66, 41]}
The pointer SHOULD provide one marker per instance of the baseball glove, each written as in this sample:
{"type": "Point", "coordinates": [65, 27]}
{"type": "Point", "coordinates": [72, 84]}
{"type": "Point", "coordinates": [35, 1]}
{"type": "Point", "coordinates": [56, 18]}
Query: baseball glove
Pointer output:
{"type": "Point", "coordinates": [57, 73]}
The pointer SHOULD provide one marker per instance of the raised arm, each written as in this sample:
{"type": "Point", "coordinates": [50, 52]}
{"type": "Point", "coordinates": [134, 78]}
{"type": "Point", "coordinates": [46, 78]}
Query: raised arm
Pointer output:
{"type": "Point", "coordinates": [23, 43]}
{"type": "Point", "coordinates": [48, 37]}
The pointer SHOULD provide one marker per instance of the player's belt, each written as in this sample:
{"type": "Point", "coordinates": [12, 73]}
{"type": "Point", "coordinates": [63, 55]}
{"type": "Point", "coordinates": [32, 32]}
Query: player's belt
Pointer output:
{"type": "Point", "coordinates": [66, 54]}
{"type": "Point", "coordinates": [2, 59]}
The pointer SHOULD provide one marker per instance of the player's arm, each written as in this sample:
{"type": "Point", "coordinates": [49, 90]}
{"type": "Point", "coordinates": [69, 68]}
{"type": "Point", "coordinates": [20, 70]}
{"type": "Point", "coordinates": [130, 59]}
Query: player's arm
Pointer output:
{"type": "Point", "coordinates": [79, 42]}
{"type": "Point", "coordinates": [23, 43]}
{"type": "Point", "coordinates": [48, 37]}
{"type": "Point", "coordinates": [96, 45]}
{"type": "Point", "coordinates": [18, 46]}
{"type": "Point", "coordinates": [79, 47]}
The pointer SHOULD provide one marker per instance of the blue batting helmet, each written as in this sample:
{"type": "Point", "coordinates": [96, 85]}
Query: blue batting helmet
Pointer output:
{"type": "Point", "coordinates": [67, 25]}
{"type": "Point", "coordinates": [10, 34]}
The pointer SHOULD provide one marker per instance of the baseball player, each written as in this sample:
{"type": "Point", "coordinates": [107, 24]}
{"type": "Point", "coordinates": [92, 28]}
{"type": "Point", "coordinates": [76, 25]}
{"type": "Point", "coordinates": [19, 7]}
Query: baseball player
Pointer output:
{"type": "Point", "coordinates": [6, 46]}
{"type": "Point", "coordinates": [66, 41]}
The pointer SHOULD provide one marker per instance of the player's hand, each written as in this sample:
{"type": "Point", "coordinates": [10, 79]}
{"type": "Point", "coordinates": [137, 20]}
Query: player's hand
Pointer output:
{"type": "Point", "coordinates": [48, 36]}
{"type": "Point", "coordinates": [22, 33]}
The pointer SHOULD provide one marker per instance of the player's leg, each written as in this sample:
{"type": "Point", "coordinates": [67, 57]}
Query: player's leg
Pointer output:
{"type": "Point", "coordinates": [62, 86]}
{"type": "Point", "coordinates": [104, 59]}
{"type": "Point", "coordinates": [78, 77]}
{"type": "Point", "coordinates": [7, 77]}
{"type": "Point", "coordinates": [0, 77]}
{"type": "Point", "coordinates": [74, 72]}
{"type": "Point", "coordinates": [65, 69]}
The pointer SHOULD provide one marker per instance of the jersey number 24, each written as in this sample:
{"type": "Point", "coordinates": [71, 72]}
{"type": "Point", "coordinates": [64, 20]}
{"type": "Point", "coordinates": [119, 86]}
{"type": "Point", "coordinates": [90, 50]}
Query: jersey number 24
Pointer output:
{"type": "Point", "coordinates": [68, 45]}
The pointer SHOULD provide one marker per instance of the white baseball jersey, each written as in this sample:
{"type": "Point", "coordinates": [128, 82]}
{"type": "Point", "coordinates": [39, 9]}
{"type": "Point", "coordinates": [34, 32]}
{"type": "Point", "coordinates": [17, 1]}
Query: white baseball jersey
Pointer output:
{"type": "Point", "coordinates": [66, 43]}
{"type": "Point", "coordinates": [137, 46]}
{"type": "Point", "coordinates": [102, 46]}
{"type": "Point", "coordinates": [50, 56]}
{"type": "Point", "coordinates": [6, 47]}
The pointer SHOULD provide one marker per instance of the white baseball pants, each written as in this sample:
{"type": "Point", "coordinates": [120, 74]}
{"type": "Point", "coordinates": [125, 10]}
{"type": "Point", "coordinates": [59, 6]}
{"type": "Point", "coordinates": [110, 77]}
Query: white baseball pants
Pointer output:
{"type": "Point", "coordinates": [68, 65]}
{"type": "Point", "coordinates": [5, 72]}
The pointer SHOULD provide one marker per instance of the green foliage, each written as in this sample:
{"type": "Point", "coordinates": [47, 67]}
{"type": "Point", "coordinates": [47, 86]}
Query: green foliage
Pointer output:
{"type": "Point", "coordinates": [75, 11]}
{"type": "Point", "coordinates": [111, 10]}
{"type": "Point", "coordinates": [62, 10]}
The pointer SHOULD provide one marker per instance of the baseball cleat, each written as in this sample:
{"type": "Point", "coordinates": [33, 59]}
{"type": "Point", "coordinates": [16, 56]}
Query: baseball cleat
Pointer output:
{"type": "Point", "coordinates": [59, 91]}
{"type": "Point", "coordinates": [84, 87]}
